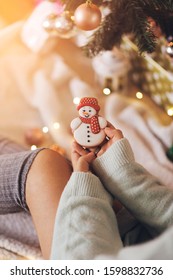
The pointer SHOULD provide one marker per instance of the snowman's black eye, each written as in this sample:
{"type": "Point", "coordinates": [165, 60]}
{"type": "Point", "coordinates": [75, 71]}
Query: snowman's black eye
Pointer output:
{"type": "Point", "coordinates": [90, 111]}
{"type": "Point", "coordinates": [83, 110]}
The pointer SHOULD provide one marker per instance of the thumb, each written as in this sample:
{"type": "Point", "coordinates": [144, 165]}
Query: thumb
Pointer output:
{"type": "Point", "coordinates": [113, 132]}
{"type": "Point", "coordinates": [110, 132]}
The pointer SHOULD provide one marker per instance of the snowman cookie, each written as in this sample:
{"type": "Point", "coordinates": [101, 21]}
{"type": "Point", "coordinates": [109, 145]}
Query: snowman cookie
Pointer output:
{"type": "Point", "coordinates": [88, 128]}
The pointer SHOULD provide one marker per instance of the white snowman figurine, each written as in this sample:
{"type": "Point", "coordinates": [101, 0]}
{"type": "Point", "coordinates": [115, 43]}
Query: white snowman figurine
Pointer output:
{"type": "Point", "coordinates": [88, 128]}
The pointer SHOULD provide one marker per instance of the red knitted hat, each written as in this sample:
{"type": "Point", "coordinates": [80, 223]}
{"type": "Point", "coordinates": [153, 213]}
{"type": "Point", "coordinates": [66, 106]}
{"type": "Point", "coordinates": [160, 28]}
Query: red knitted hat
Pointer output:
{"type": "Point", "coordinates": [89, 101]}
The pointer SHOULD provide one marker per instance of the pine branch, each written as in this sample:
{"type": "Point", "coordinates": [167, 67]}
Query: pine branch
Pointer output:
{"type": "Point", "coordinates": [142, 31]}
{"type": "Point", "coordinates": [111, 30]}
{"type": "Point", "coordinates": [128, 17]}
{"type": "Point", "coordinates": [105, 38]}
{"type": "Point", "coordinates": [161, 5]}
{"type": "Point", "coordinates": [125, 17]}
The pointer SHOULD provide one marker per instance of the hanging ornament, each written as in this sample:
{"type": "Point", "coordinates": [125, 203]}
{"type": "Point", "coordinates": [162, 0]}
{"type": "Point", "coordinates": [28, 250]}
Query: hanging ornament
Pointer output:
{"type": "Point", "coordinates": [87, 16]}
{"type": "Point", "coordinates": [61, 25]}
{"type": "Point", "coordinates": [169, 47]}
{"type": "Point", "coordinates": [54, 11]}
{"type": "Point", "coordinates": [155, 27]}
{"type": "Point", "coordinates": [64, 25]}
{"type": "Point", "coordinates": [49, 22]}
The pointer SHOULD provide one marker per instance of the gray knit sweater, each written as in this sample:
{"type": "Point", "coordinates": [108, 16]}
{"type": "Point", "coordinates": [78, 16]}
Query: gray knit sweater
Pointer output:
{"type": "Point", "coordinates": [86, 226]}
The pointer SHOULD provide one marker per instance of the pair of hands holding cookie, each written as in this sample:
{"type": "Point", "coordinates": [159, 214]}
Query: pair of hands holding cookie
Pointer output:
{"type": "Point", "coordinates": [91, 133]}
{"type": "Point", "coordinates": [81, 158]}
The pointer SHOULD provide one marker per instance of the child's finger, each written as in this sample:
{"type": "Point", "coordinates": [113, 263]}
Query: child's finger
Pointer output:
{"type": "Point", "coordinates": [110, 132]}
{"type": "Point", "coordinates": [80, 150]}
{"type": "Point", "coordinates": [74, 156]}
{"type": "Point", "coordinates": [110, 125]}
{"type": "Point", "coordinates": [113, 132]}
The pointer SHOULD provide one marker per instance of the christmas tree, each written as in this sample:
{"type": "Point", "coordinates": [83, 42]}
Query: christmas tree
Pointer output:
{"type": "Point", "coordinates": [129, 17]}
{"type": "Point", "coordinates": [135, 27]}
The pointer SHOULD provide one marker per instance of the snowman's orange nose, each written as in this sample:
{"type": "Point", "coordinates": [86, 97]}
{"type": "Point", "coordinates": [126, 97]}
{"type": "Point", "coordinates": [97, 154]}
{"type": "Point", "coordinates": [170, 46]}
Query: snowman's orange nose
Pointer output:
{"type": "Point", "coordinates": [86, 114]}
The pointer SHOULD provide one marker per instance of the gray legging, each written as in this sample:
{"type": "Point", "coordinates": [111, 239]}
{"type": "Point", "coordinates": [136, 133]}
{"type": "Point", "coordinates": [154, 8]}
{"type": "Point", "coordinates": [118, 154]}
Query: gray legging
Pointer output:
{"type": "Point", "coordinates": [15, 162]}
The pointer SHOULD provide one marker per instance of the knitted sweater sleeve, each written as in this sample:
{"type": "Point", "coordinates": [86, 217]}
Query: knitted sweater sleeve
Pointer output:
{"type": "Point", "coordinates": [85, 224]}
{"type": "Point", "coordinates": [140, 192]}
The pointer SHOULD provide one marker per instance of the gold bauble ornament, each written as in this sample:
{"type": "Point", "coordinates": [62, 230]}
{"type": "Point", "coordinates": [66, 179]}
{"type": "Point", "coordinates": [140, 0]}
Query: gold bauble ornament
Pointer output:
{"type": "Point", "coordinates": [87, 16]}
{"type": "Point", "coordinates": [169, 49]}
{"type": "Point", "coordinates": [64, 26]}
{"type": "Point", "coordinates": [49, 22]}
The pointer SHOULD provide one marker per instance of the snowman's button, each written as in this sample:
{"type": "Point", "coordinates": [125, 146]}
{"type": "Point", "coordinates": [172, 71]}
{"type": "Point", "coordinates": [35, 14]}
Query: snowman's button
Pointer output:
{"type": "Point", "coordinates": [88, 126]}
{"type": "Point", "coordinates": [88, 131]}
{"type": "Point", "coordinates": [88, 141]}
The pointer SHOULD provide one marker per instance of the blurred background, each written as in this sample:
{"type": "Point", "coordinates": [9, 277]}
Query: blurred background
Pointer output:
{"type": "Point", "coordinates": [11, 11]}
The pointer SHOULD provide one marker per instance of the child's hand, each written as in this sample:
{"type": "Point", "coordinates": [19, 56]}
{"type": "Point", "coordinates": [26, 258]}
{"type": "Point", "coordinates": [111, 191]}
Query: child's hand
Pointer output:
{"type": "Point", "coordinates": [113, 134]}
{"type": "Point", "coordinates": [81, 158]}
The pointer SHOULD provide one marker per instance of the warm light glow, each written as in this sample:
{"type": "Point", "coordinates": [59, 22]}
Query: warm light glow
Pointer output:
{"type": "Point", "coordinates": [11, 11]}
{"type": "Point", "coordinates": [46, 23]}
{"type": "Point", "coordinates": [56, 125]}
{"type": "Point", "coordinates": [33, 147]}
{"type": "Point", "coordinates": [139, 95]}
{"type": "Point", "coordinates": [106, 91]}
{"type": "Point", "coordinates": [45, 129]}
{"type": "Point", "coordinates": [76, 100]}
{"type": "Point", "coordinates": [170, 112]}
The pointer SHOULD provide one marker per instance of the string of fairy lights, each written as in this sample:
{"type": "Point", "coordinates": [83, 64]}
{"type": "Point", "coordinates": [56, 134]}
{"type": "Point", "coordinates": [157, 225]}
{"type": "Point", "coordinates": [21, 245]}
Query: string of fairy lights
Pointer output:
{"type": "Point", "coordinates": [153, 79]}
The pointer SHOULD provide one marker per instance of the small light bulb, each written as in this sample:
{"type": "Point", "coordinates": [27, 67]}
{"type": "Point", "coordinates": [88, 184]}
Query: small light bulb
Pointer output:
{"type": "Point", "coordinates": [139, 95]}
{"type": "Point", "coordinates": [45, 129]}
{"type": "Point", "coordinates": [76, 100]}
{"type": "Point", "coordinates": [170, 112]}
{"type": "Point", "coordinates": [106, 91]}
{"type": "Point", "coordinates": [56, 125]}
{"type": "Point", "coordinates": [33, 147]}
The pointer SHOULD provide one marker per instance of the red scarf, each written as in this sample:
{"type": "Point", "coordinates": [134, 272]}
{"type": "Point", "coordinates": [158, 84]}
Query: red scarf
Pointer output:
{"type": "Point", "coordinates": [94, 123]}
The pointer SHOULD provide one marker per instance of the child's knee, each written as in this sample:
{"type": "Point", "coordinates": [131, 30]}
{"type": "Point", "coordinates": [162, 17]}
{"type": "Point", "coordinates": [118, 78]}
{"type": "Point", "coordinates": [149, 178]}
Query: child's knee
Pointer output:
{"type": "Point", "coordinates": [51, 160]}
{"type": "Point", "coordinates": [48, 164]}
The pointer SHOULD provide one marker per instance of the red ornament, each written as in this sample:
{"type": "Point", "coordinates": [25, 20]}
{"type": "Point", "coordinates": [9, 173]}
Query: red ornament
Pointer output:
{"type": "Point", "coordinates": [155, 27]}
{"type": "Point", "coordinates": [87, 16]}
